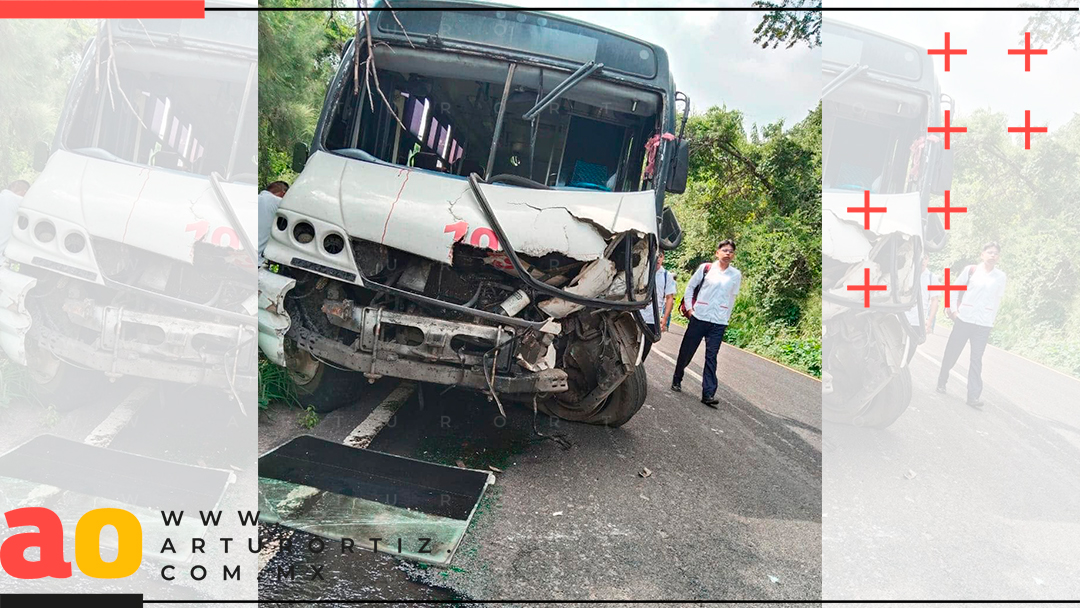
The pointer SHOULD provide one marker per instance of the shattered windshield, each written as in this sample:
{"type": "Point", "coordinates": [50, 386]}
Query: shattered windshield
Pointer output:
{"type": "Point", "coordinates": [176, 112]}
{"type": "Point", "coordinates": [588, 138]}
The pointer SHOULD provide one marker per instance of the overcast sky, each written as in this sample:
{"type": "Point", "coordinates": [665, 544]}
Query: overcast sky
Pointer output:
{"type": "Point", "coordinates": [987, 77]}
{"type": "Point", "coordinates": [714, 59]}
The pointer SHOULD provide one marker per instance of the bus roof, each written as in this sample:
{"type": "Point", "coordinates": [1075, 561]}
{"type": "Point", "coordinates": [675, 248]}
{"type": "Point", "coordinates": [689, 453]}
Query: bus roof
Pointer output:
{"type": "Point", "coordinates": [889, 59]}
{"type": "Point", "coordinates": [576, 41]}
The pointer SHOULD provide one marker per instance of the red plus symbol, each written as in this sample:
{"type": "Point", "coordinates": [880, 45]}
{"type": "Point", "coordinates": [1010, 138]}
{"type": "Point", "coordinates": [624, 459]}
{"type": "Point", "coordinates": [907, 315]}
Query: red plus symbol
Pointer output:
{"type": "Point", "coordinates": [947, 210]}
{"type": "Point", "coordinates": [947, 52]}
{"type": "Point", "coordinates": [866, 287]}
{"type": "Point", "coordinates": [947, 129]}
{"type": "Point", "coordinates": [866, 210]}
{"type": "Point", "coordinates": [1027, 130]}
{"type": "Point", "coordinates": [1027, 51]}
{"type": "Point", "coordinates": [948, 288]}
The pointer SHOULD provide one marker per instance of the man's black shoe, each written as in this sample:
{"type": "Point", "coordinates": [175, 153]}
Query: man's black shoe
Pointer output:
{"type": "Point", "coordinates": [676, 386]}
{"type": "Point", "coordinates": [711, 402]}
{"type": "Point", "coordinates": [941, 388]}
{"type": "Point", "coordinates": [976, 403]}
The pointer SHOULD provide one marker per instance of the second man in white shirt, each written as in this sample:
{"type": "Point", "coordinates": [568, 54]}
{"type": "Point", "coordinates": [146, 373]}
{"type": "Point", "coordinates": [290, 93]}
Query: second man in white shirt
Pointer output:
{"type": "Point", "coordinates": [709, 314]}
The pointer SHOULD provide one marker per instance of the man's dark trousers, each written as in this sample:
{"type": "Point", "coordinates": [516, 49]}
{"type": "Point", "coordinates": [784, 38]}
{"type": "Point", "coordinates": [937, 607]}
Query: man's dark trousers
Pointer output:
{"type": "Point", "coordinates": [713, 333]}
{"type": "Point", "coordinates": [648, 343]}
{"type": "Point", "coordinates": [961, 333]}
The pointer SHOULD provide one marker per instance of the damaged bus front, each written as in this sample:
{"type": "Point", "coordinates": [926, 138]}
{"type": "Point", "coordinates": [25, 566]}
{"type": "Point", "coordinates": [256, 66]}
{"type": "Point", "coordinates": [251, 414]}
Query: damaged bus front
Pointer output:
{"type": "Point", "coordinates": [129, 254]}
{"type": "Point", "coordinates": [483, 211]}
{"type": "Point", "coordinates": [880, 99]}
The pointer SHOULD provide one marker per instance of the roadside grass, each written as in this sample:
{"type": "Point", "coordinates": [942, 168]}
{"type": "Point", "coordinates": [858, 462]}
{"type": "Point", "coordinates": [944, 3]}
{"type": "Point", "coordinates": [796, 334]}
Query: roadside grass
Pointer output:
{"type": "Point", "coordinates": [275, 386]}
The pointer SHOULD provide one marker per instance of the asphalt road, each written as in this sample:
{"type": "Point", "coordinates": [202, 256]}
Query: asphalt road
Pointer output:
{"type": "Point", "coordinates": [954, 503]}
{"type": "Point", "coordinates": [731, 508]}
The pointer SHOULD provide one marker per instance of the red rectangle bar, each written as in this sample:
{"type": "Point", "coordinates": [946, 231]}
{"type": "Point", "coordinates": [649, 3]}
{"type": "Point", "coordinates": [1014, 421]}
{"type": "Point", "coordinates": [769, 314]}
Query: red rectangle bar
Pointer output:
{"type": "Point", "coordinates": [102, 9]}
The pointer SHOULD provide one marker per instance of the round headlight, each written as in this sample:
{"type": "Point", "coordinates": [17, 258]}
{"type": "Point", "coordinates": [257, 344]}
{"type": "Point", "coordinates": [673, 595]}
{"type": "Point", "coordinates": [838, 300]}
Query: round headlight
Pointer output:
{"type": "Point", "coordinates": [45, 231]}
{"type": "Point", "coordinates": [333, 244]}
{"type": "Point", "coordinates": [303, 232]}
{"type": "Point", "coordinates": [74, 242]}
{"type": "Point", "coordinates": [282, 223]}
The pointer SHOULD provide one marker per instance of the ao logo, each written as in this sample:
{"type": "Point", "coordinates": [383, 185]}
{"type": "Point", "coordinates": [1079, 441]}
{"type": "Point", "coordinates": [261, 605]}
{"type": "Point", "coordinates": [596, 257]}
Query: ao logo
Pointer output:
{"type": "Point", "coordinates": [49, 539]}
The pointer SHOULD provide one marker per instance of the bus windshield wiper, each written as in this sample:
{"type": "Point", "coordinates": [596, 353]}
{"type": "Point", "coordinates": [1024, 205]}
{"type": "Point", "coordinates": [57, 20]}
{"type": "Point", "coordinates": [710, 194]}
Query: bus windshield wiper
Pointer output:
{"type": "Point", "coordinates": [582, 73]}
{"type": "Point", "coordinates": [849, 72]}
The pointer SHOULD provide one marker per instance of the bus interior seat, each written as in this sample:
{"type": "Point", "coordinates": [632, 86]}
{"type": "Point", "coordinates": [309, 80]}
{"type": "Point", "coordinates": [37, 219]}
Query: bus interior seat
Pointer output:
{"type": "Point", "coordinates": [589, 175]}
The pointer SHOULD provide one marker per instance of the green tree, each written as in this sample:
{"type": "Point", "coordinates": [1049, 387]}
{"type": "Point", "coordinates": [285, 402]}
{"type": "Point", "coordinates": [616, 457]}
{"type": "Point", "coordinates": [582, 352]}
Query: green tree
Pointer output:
{"type": "Point", "coordinates": [1051, 29]}
{"type": "Point", "coordinates": [299, 52]}
{"type": "Point", "coordinates": [37, 60]}
{"type": "Point", "coordinates": [784, 23]}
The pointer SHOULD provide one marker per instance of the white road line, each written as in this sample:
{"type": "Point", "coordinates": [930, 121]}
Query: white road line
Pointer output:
{"type": "Point", "coordinates": [100, 437]}
{"type": "Point", "coordinates": [365, 432]}
{"type": "Point", "coordinates": [121, 415]}
{"type": "Point", "coordinates": [688, 371]}
{"type": "Point", "coordinates": [360, 437]}
{"type": "Point", "coordinates": [952, 372]}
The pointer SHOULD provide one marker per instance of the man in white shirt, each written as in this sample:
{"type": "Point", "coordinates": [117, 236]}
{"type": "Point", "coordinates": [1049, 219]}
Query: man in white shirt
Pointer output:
{"type": "Point", "coordinates": [930, 301]}
{"type": "Point", "coordinates": [973, 319]}
{"type": "Point", "coordinates": [665, 299]}
{"type": "Point", "coordinates": [10, 198]}
{"type": "Point", "coordinates": [269, 200]}
{"type": "Point", "coordinates": [709, 313]}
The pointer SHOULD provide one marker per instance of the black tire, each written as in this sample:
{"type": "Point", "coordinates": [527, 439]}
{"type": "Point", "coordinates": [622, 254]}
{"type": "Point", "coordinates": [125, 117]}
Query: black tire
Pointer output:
{"type": "Point", "coordinates": [328, 389]}
{"type": "Point", "coordinates": [625, 401]}
{"type": "Point", "coordinates": [618, 409]}
{"type": "Point", "coordinates": [889, 404]}
{"type": "Point", "coordinates": [69, 388]}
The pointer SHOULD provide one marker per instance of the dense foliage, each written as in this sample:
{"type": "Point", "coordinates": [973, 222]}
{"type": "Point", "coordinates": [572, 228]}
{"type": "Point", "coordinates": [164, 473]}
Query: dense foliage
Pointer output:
{"type": "Point", "coordinates": [37, 59]}
{"type": "Point", "coordinates": [298, 55]}
{"type": "Point", "coordinates": [764, 191]}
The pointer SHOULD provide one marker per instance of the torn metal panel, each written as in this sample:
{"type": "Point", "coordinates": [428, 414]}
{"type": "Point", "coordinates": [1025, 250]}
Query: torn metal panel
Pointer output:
{"type": "Point", "coordinates": [426, 212]}
{"type": "Point", "coordinates": [843, 241]}
{"type": "Point", "coordinates": [592, 281]}
{"type": "Point", "coordinates": [903, 211]}
{"type": "Point", "coordinates": [14, 318]}
{"type": "Point", "coordinates": [274, 320]}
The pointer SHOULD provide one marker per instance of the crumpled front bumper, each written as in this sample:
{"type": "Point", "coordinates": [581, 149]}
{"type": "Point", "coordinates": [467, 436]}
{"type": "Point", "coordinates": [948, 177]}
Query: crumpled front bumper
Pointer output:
{"type": "Point", "coordinates": [131, 342]}
{"type": "Point", "coordinates": [14, 317]}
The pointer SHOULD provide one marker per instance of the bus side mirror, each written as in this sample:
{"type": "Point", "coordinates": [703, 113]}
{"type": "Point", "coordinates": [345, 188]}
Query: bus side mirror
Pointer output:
{"type": "Point", "coordinates": [670, 230]}
{"type": "Point", "coordinates": [676, 183]}
{"type": "Point", "coordinates": [299, 156]}
{"type": "Point", "coordinates": [41, 155]}
{"type": "Point", "coordinates": [943, 175]}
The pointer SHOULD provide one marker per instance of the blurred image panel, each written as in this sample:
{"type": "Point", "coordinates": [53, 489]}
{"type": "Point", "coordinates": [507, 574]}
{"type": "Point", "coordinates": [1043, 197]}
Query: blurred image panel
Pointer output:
{"type": "Point", "coordinates": [128, 372]}
{"type": "Point", "coordinates": [951, 304]}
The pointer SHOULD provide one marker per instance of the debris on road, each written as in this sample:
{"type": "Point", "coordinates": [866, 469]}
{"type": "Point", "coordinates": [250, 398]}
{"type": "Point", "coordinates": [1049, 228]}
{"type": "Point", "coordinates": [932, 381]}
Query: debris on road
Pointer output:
{"type": "Point", "coordinates": [910, 474]}
{"type": "Point", "coordinates": [496, 469]}
{"type": "Point", "coordinates": [645, 472]}
{"type": "Point", "coordinates": [643, 497]}
{"type": "Point", "coordinates": [775, 580]}
{"type": "Point", "coordinates": [556, 513]}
